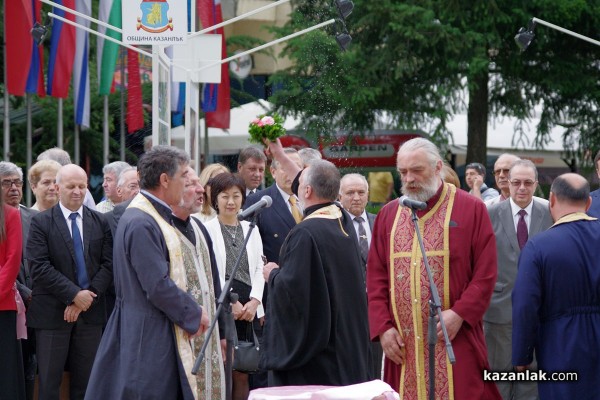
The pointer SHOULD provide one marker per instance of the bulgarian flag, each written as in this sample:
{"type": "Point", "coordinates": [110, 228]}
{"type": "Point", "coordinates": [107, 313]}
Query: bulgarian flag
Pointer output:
{"type": "Point", "coordinates": [109, 12]}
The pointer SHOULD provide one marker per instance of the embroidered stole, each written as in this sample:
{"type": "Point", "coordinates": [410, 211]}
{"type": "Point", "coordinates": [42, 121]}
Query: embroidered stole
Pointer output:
{"type": "Point", "coordinates": [210, 377]}
{"type": "Point", "coordinates": [178, 275]}
{"type": "Point", "coordinates": [410, 294]}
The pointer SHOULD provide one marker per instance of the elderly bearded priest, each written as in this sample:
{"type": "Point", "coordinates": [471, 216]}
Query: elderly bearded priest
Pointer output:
{"type": "Point", "coordinates": [460, 246]}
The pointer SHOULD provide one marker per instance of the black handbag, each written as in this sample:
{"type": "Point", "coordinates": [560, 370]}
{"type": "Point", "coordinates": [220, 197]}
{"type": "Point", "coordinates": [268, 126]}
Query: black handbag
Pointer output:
{"type": "Point", "coordinates": [246, 353]}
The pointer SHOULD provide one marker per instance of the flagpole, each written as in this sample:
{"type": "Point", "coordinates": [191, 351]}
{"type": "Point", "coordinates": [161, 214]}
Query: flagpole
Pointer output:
{"type": "Point", "coordinates": [123, 54]}
{"type": "Point", "coordinates": [263, 46]}
{"type": "Point", "coordinates": [105, 138]}
{"type": "Point", "coordinates": [76, 144]}
{"type": "Point", "coordinates": [29, 145]}
{"type": "Point", "coordinates": [6, 148]}
{"type": "Point", "coordinates": [59, 128]}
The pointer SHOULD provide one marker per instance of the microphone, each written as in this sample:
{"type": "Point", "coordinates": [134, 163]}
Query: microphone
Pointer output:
{"type": "Point", "coordinates": [413, 204]}
{"type": "Point", "coordinates": [264, 202]}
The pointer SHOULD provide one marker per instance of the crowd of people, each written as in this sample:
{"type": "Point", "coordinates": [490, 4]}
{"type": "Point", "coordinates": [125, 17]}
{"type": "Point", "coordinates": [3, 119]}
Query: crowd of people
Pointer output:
{"type": "Point", "coordinates": [120, 294]}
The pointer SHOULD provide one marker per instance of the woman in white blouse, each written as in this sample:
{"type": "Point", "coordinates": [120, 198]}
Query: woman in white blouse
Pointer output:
{"type": "Point", "coordinates": [228, 193]}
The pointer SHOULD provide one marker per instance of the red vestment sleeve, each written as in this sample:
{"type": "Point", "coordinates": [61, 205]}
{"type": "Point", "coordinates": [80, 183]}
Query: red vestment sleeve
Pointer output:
{"type": "Point", "coordinates": [378, 275]}
{"type": "Point", "coordinates": [473, 260]}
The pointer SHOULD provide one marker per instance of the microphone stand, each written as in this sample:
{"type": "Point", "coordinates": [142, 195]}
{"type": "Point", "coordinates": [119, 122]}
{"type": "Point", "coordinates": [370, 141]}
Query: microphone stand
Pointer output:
{"type": "Point", "coordinates": [224, 302]}
{"type": "Point", "coordinates": [435, 309]}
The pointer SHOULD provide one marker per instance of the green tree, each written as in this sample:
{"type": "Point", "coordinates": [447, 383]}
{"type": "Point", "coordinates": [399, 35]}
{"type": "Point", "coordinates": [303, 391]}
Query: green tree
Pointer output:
{"type": "Point", "coordinates": [417, 60]}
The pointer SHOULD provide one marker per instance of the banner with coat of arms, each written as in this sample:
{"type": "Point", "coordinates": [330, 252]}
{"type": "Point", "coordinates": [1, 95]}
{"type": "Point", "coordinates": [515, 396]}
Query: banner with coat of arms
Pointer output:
{"type": "Point", "coordinates": [154, 22]}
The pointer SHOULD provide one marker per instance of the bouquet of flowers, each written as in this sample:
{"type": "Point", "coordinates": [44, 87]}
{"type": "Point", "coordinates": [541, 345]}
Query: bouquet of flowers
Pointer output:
{"type": "Point", "coordinates": [266, 127]}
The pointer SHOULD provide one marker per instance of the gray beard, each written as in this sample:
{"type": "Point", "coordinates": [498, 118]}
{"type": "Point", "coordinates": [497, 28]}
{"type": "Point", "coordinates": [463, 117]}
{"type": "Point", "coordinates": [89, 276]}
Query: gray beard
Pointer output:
{"type": "Point", "coordinates": [423, 193]}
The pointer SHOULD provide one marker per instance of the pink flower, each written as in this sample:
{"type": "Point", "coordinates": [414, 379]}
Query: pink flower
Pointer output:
{"type": "Point", "coordinates": [260, 123]}
{"type": "Point", "coordinates": [255, 121]}
{"type": "Point", "coordinates": [268, 120]}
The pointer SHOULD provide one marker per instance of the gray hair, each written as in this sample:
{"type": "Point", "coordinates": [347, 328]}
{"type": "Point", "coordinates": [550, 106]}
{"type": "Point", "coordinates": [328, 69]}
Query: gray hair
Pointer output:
{"type": "Point", "coordinates": [8, 168]}
{"type": "Point", "coordinates": [116, 167]}
{"type": "Point", "coordinates": [354, 176]}
{"type": "Point", "coordinates": [56, 154]}
{"type": "Point", "coordinates": [430, 149]}
{"type": "Point", "coordinates": [286, 150]}
{"type": "Point", "coordinates": [160, 160]}
{"type": "Point", "coordinates": [308, 155]}
{"type": "Point", "coordinates": [524, 163]}
{"type": "Point", "coordinates": [121, 180]}
{"type": "Point", "coordinates": [324, 178]}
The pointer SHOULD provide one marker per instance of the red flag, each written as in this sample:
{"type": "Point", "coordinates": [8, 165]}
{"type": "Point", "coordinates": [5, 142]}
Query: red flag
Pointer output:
{"type": "Point", "coordinates": [23, 57]}
{"type": "Point", "coordinates": [135, 112]}
{"type": "Point", "coordinates": [210, 14]}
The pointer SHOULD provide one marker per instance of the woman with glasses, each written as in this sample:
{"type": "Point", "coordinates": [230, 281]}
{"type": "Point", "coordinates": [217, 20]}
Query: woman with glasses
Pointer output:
{"type": "Point", "coordinates": [12, 381]}
{"type": "Point", "coordinates": [42, 179]}
{"type": "Point", "coordinates": [228, 193]}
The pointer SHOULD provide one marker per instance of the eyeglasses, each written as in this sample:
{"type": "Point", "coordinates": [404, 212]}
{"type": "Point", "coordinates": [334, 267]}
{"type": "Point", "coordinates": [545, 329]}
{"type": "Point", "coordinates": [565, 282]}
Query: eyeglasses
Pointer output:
{"type": "Point", "coordinates": [503, 170]}
{"type": "Point", "coordinates": [7, 183]}
{"type": "Point", "coordinates": [517, 183]}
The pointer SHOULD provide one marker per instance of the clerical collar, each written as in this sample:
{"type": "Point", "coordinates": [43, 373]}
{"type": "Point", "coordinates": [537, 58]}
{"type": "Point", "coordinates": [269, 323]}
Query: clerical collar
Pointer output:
{"type": "Point", "coordinates": [572, 217]}
{"type": "Point", "coordinates": [312, 209]}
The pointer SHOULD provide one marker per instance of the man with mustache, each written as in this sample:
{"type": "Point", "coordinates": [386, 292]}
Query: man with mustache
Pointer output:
{"type": "Point", "coordinates": [460, 246]}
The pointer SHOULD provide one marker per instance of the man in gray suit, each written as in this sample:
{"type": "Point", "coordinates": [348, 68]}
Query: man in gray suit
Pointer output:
{"type": "Point", "coordinates": [514, 222]}
{"type": "Point", "coordinates": [354, 196]}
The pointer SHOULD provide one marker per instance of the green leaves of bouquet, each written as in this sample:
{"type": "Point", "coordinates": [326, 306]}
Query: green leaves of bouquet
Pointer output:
{"type": "Point", "coordinates": [265, 126]}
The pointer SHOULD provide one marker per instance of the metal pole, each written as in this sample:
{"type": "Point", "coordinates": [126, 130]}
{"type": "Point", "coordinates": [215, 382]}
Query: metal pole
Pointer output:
{"type": "Point", "coordinates": [568, 32]}
{"type": "Point", "coordinates": [59, 128]}
{"type": "Point", "coordinates": [76, 144]}
{"type": "Point", "coordinates": [29, 145]}
{"type": "Point", "coordinates": [105, 138]}
{"type": "Point", "coordinates": [123, 58]}
{"type": "Point", "coordinates": [264, 46]}
{"type": "Point", "coordinates": [75, 24]}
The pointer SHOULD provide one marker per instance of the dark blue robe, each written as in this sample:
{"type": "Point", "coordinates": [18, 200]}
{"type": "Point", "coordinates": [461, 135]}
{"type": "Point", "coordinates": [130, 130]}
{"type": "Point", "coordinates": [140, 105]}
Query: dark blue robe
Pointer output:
{"type": "Point", "coordinates": [137, 357]}
{"type": "Point", "coordinates": [556, 308]}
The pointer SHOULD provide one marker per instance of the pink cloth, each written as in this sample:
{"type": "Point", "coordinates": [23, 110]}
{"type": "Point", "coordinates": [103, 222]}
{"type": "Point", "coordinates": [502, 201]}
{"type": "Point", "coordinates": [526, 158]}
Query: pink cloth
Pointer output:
{"type": "Point", "coordinates": [21, 326]}
{"type": "Point", "coordinates": [362, 391]}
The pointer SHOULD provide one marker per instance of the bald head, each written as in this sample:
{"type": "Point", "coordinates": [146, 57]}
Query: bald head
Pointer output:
{"type": "Point", "coordinates": [569, 193]}
{"type": "Point", "coordinates": [71, 180]}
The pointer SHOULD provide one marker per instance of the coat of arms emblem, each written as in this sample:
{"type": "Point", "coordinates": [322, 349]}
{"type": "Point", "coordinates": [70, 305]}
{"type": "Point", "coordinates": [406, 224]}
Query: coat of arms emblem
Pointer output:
{"type": "Point", "coordinates": [154, 17]}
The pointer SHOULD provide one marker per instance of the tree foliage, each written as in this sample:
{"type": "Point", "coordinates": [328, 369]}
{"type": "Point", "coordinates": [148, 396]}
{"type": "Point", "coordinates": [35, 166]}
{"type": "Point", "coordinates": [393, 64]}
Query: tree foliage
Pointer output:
{"type": "Point", "coordinates": [423, 61]}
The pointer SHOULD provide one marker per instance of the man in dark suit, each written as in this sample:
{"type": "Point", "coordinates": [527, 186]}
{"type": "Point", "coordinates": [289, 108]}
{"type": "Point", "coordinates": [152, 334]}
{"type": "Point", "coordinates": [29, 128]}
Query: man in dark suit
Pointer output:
{"type": "Point", "coordinates": [70, 254]}
{"type": "Point", "coordinates": [251, 167]}
{"type": "Point", "coordinates": [354, 196]}
{"type": "Point", "coordinates": [11, 177]}
{"type": "Point", "coordinates": [274, 223]}
{"type": "Point", "coordinates": [514, 221]}
{"type": "Point", "coordinates": [594, 210]}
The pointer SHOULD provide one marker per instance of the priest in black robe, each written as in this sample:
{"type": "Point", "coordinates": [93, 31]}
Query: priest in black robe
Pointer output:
{"type": "Point", "coordinates": [316, 325]}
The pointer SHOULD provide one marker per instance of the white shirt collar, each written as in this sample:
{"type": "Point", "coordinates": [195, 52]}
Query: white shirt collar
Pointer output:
{"type": "Point", "coordinates": [66, 212]}
{"type": "Point", "coordinates": [515, 208]}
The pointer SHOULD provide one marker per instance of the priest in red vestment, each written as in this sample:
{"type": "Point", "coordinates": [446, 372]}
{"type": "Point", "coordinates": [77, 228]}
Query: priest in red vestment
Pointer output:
{"type": "Point", "coordinates": [460, 246]}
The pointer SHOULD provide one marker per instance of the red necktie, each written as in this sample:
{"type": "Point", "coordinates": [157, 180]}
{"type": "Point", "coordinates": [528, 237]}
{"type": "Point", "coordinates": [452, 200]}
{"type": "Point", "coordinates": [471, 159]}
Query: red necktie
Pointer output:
{"type": "Point", "coordinates": [522, 234]}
